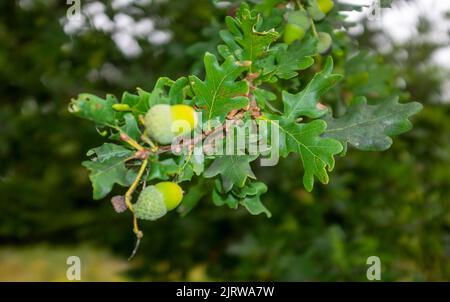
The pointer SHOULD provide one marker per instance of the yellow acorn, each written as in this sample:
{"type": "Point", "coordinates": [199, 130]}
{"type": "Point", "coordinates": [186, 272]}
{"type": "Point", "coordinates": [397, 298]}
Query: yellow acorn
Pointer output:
{"type": "Point", "coordinates": [325, 5]}
{"type": "Point", "coordinates": [165, 122]}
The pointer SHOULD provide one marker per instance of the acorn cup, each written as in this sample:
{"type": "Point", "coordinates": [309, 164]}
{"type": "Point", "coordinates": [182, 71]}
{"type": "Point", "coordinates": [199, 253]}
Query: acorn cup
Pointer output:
{"type": "Point", "coordinates": [296, 27]}
{"type": "Point", "coordinates": [155, 201]}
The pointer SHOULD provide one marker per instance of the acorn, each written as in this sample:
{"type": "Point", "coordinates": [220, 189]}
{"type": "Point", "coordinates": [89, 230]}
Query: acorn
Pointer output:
{"type": "Point", "coordinates": [296, 27]}
{"type": "Point", "coordinates": [325, 43]}
{"type": "Point", "coordinates": [293, 32]}
{"type": "Point", "coordinates": [164, 122]}
{"type": "Point", "coordinates": [325, 5]}
{"type": "Point", "coordinates": [155, 201]}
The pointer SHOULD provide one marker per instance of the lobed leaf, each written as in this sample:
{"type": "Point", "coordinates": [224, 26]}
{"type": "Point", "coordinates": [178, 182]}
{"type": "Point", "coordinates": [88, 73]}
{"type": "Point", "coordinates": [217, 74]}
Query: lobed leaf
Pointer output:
{"type": "Point", "coordinates": [242, 39]}
{"type": "Point", "coordinates": [94, 108]}
{"type": "Point", "coordinates": [316, 152]}
{"type": "Point", "coordinates": [163, 169]}
{"type": "Point", "coordinates": [252, 198]}
{"type": "Point", "coordinates": [285, 61]}
{"type": "Point", "coordinates": [249, 196]}
{"type": "Point", "coordinates": [233, 169]}
{"type": "Point", "coordinates": [194, 195]}
{"type": "Point", "coordinates": [108, 151]}
{"type": "Point", "coordinates": [305, 103]}
{"type": "Point", "coordinates": [220, 93]}
{"type": "Point", "coordinates": [369, 127]}
{"type": "Point", "coordinates": [104, 174]}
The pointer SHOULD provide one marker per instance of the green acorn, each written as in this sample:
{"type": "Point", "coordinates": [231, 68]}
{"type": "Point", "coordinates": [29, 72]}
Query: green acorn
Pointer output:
{"type": "Point", "coordinates": [293, 32]}
{"type": "Point", "coordinates": [298, 24]}
{"type": "Point", "coordinates": [155, 201]}
{"type": "Point", "coordinates": [165, 122]}
{"type": "Point", "coordinates": [325, 5]}
{"type": "Point", "coordinates": [324, 44]}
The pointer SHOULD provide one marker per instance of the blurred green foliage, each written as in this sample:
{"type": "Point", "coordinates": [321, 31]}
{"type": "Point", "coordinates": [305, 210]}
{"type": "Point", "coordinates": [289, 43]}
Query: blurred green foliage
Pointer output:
{"type": "Point", "coordinates": [48, 263]}
{"type": "Point", "coordinates": [393, 204]}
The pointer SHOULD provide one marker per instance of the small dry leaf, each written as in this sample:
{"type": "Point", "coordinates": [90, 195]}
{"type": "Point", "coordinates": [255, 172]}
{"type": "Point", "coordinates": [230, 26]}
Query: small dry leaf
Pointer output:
{"type": "Point", "coordinates": [118, 203]}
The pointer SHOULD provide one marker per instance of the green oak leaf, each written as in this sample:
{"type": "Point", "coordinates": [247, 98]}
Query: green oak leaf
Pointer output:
{"type": "Point", "coordinates": [104, 174]}
{"type": "Point", "coordinates": [220, 199]}
{"type": "Point", "coordinates": [165, 91]}
{"type": "Point", "coordinates": [305, 103]}
{"type": "Point", "coordinates": [194, 195]}
{"type": "Point", "coordinates": [138, 103]}
{"type": "Point", "coordinates": [369, 127]}
{"type": "Point", "coordinates": [242, 39]}
{"type": "Point", "coordinates": [177, 91]}
{"type": "Point", "coordinates": [108, 151]}
{"type": "Point", "coordinates": [314, 10]}
{"type": "Point", "coordinates": [131, 127]}
{"type": "Point", "coordinates": [254, 205]}
{"type": "Point", "coordinates": [130, 99]}
{"type": "Point", "coordinates": [368, 75]}
{"type": "Point", "coordinates": [252, 198]}
{"type": "Point", "coordinates": [233, 169]}
{"type": "Point", "coordinates": [285, 61]}
{"type": "Point", "coordinates": [267, 7]}
{"type": "Point", "coordinates": [159, 93]}
{"type": "Point", "coordinates": [264, 97]}
{"type": "Point", "coordinates": [316, 152]}
{"type": "Point", "coordinates": [163, 169]}
{"type": "Point", "coordinates": [190, 165]}
{"type": "Point", "coordinates": [251, 189]}
{"type": "Point", "coordinates": [94, 108]}
{"type": "Point", "coordinates": [248, 196]}
{"type": "Point", "coordinates": [220, 93]}
{"type": "Point", "coordinates": [142, 102]}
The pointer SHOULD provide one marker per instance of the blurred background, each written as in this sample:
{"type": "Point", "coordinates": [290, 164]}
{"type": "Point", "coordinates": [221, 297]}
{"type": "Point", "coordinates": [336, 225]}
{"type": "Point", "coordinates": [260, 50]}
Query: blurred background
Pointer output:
{"type": "Point", "coordinates": [392, 204]}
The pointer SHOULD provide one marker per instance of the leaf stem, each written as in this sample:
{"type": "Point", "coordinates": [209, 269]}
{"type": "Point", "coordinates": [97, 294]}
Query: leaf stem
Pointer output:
{"type": "Point", "coordinates": [313, 26]}
{"type": "Point", "coordinates": [188, 158]}
{"type": "Point", "coordinates": [145, 138]}
{"type": "Point", "coordinates": [299, 4]}
{"type": "Point", "coordinates": [130, 141]}
{"type": "Point", "coordinates": [128, 195]}
{"type": "Point", "coordinates": [136, 247]}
